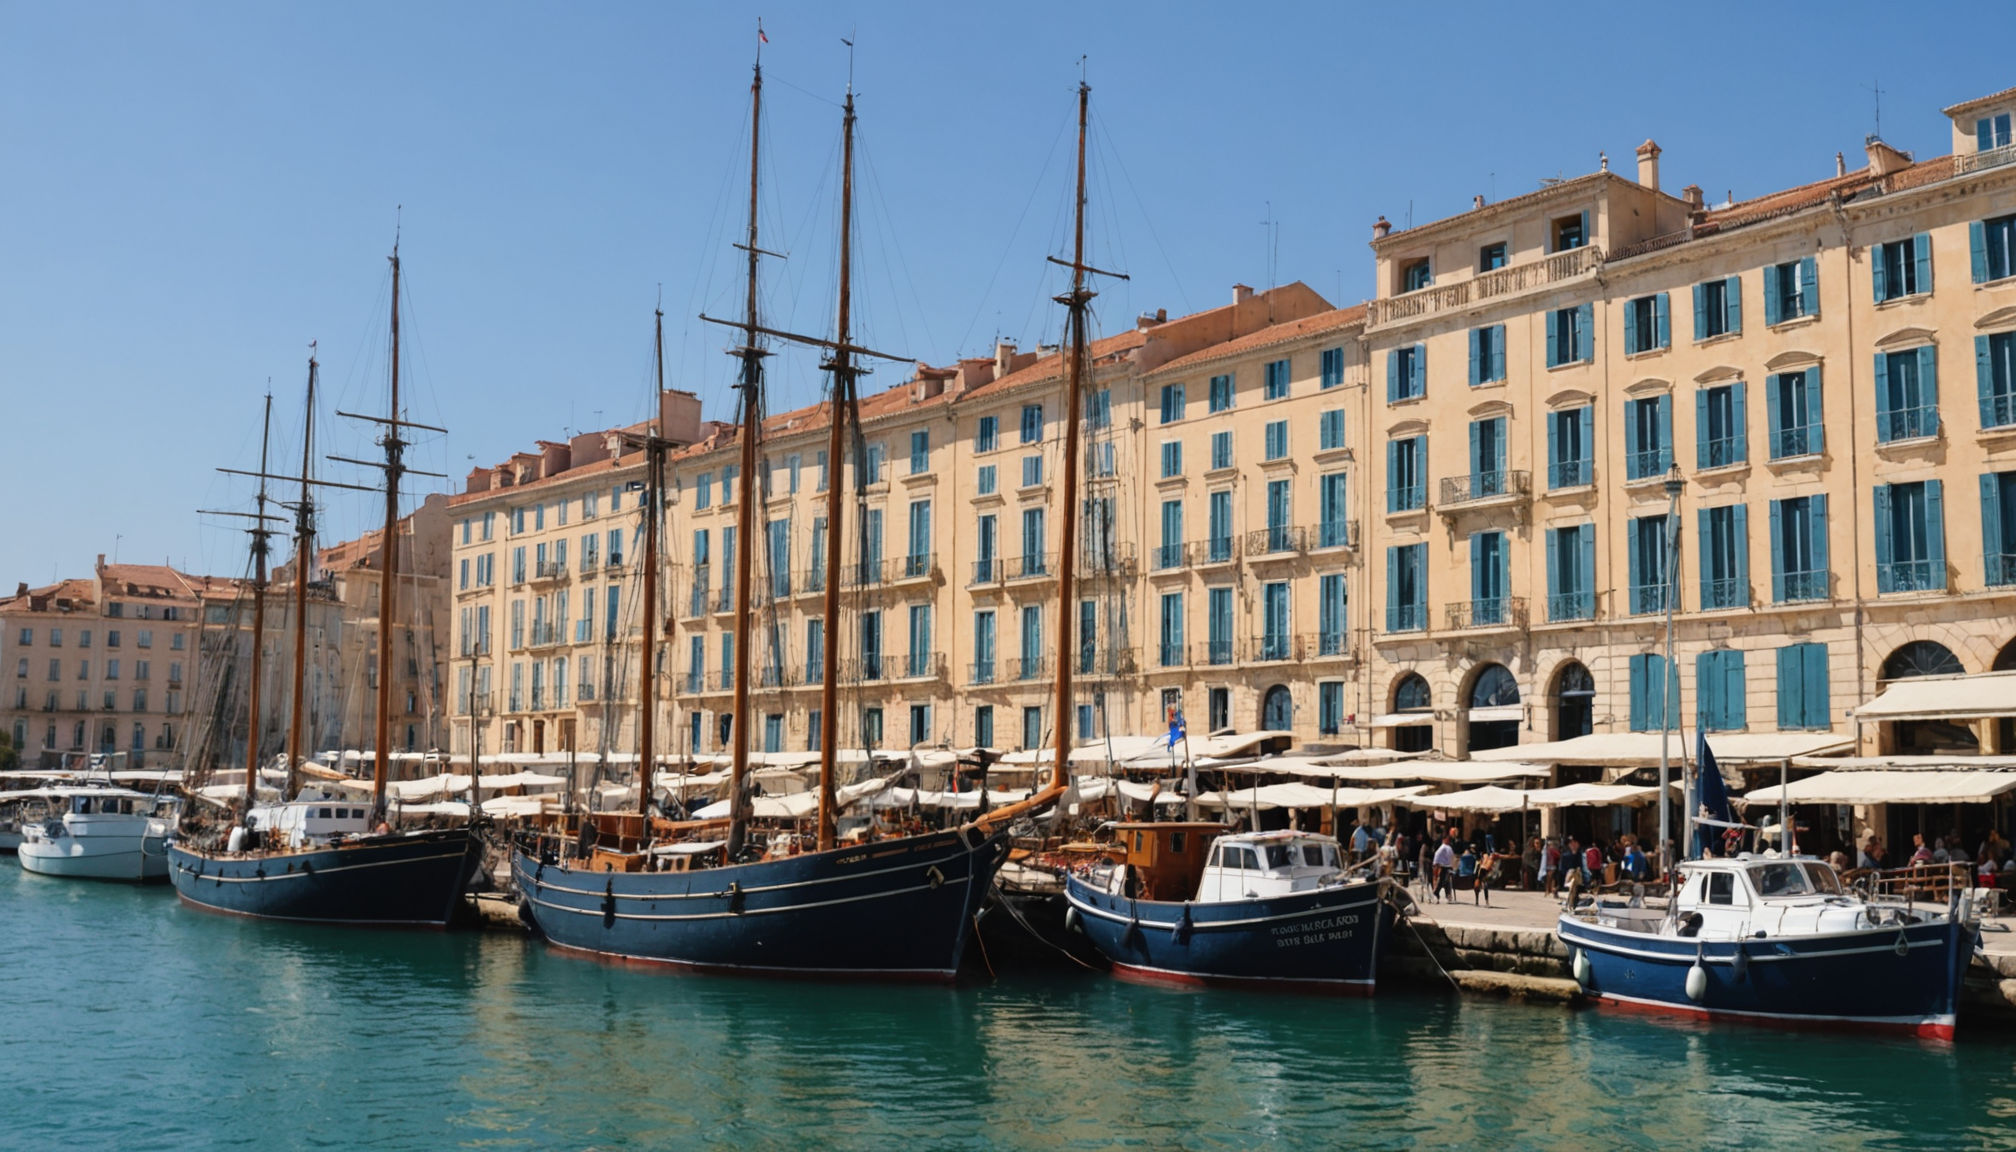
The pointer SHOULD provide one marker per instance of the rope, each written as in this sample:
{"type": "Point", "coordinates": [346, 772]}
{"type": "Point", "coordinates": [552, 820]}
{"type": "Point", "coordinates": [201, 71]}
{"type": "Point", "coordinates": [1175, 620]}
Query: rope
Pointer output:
{"type": "Point", "coordinates": [1015, 914]}
{"type": "Point", "coordinates": [1436, 960]}
{"type": "Point", "coordinates": [983, 947]}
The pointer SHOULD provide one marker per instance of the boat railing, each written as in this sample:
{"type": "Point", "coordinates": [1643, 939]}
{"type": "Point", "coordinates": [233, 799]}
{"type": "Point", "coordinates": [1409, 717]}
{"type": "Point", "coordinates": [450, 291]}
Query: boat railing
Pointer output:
{"type": "Point", "coordinates": [1913, 883]}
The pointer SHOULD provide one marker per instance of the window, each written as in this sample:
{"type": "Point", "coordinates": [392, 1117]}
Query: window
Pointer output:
{"type": "Point", "coordinates": [917, 561]}
{"type": "Point", "coordinates": [1406, 373]}
{"type": "Point", "coordinates": [1221, 393]}
{"type": "Point", "coordinates": [1220, 542]}
{"type": "Point", "coordinates": [780, 556]}
{"type": "Point", "coordinates": [703, 490]}
{"type": "Point", "coordinates": [1799, 549]}
{"type": "Point", "coordinates": [1992, 245]}
{"type": "Point", "coordinates": [920, 451]}
{"type": "Point", "coordinates": [820, 456]}
{"type": "Point", "coordinates": [1172, 458]}
{"type": "Point", "coordinates": [56, 637]}
{"type": "Point", "coordinates": [1277, 440]}
{"type": "Point", "coordinates": [1648, 437]}
{"type": "Point", "coordinates": [1276, 380]}
{"type": "Point", "coordinates": [1032, 728]}
{"type": "Point", "coordinates": [84, 638]}
{"type": "Point", "coordinates": [871, 727]}
{"type": "Point", "coordinates": [986, 562]}
{"type": "Point", "coordinates": [1901, 268]}
{"type": "Point", "coordinates": [1791, 291]}
{"type": "Point", "coordinates": [1718, 308]}
{"type": "Point", "coordinates": [1330, 429]}
{"type": "Point", "coordinates": [1491, 256]}
{"type": "Point", "coordinates": [1100, 458]}
{"type": "Point", "coordinates": [1330, 707]}
{"type": "Point", "coordinates": [1490, 578]}
{"type": "Point", "coordinates": [733, 472]}
{"type": "Point", "coordinates": [1099, 409]}
{"type": "Point", "coordinates": [1406, 588]}
{"type": "Point", "coordinates": [1032, 471]}
{"type": "Point", "coordinates": [1720, 424]}
{"type": "Point", "coordinates": [1907, 394]}
{"type": "Point", "coordinates": [1406, 473]}
{"type": "Point", "coordinates": [1571, 573]}
{"type": "Point", "coordinates": [1487, 457]}
{"type": "Point", "coordinates": [463, 578]}
{"type": "Point", "coordinates": [921, 662]}
{"type": "Point", "coordinates": [1910, 537]}
{"type": "Point", "coordinates": [1571, 447]}
{"type": "Point", "coordinates": [1221, 450]}
{"type": "Point", "coordinates": [1487, 355]}
{"type": "Point", "coordinates": [1725, 557]}
{"type": "Point", "coordinates": [1172, 403]}
{"type": "Point", "coordinates": [1170, 553]}
{"type": "Point", "coordinates": [1991, 132]}
{"type": "Point", "coordinates": [1571, 232]}
{"type": "Point", "coordinates": [1032, 642]}
{"type": "Point", "coordinates": [589, 500]}
{"type": "Point", "coordinates": [1415, 275]}
{"type": "Point", "coordinates": [1032, 423]}
{"type": "Point", "coordinates": [1275, 622]}
{"type": "Point", "coordinates": [815, 654]}
{"type": "Point", "coordinates": [466, 527]}
{"type": "Point", "coordinates": [1653, 694]}
{"type": "Point", "coordinates": [1719, 695]}
{"type": "Point", "coordinates": [1170, 651]}
{"type": "Point", "coordinates": [1332, 616]}
{"type": "Point", "coordinates": [984, 483]}
{"type": "Point", "coordinates": [1218, 621]}
{"type": "Point", "coordinates": [1802, 686]}
{"type": "Point", "coordinates": [489, 524]}
{"type": "Point", "coordinates": [1794, 414]}
{"type": "Point", "coordinates": [1333, 367]}
{"type": "Point", "coordinates": [868, 561]}
{"type": "Point", "coordinates": [539, 517]}
{"type": "Point", "coordinates": [983, 648]}
{"type": "Point", "coordinates": [988, 436]}
{"type": "Point", "coordinates": [1995, 378]}
{"type": "Point", "coordinates": [1032, 542]}
{"type": "Point", "coordinates": [1650, 580]}
{"type": "Point", "coordinates": [1333, 525]}
{"type": "Point", "coordinates": [1569, 336]}
{"type": "Point", "coordinates": [1277, 516]}
{"type": "Point", "coordinates": [983, 726]}
{"type": "Point", "coordinates": [145, 638]}
{"type": "Point", "coordinates": [112, 669]}
{"type": "Point", "coordinates": [1645, 324]}
{"type": "Point", "coordinates": [1998, 528]}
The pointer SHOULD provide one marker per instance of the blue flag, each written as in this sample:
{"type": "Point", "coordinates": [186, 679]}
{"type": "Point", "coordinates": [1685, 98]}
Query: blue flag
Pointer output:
{"type": "Point", "coordinates": [1176, 728]}
{"type": "Point", "coordinates": [1710, 794]}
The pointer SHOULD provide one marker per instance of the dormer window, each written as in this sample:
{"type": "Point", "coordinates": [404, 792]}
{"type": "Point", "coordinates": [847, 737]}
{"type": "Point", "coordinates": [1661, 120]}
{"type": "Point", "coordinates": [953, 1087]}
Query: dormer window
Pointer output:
{"type": "Point", "coordinates": [1571, 231]}
{"type": "Point", "coordinates": [1414, 276]}
{"type": "Point", "coordinates": [1491, 256]}
{"type": "Point", "coordinates": [1991, 132]}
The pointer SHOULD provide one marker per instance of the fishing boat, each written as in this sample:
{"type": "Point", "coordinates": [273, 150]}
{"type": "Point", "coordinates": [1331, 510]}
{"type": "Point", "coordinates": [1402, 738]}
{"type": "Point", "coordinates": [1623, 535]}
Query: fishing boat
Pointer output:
{"type": "Point", "coordinates": [1266, 910]}
{"type": "Point", "coordinates": [95, 832]}
{"type": "Point", "coordinates": [320, 860]}
{"type": "Point", "coordinates": [716, 895]}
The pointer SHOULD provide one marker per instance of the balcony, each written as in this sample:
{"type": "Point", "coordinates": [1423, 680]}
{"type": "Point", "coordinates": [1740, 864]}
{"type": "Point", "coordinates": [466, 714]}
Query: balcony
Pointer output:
{"type": "Point", "coordinates": [698, 599]}
{"type": "Point", "coordinates": [1998, 411]}
{"type": "Point", "coordinates": [1813, 585]}
{"type": "Point", "coordinates": [1107, 661]}
{"type": "Point", "coordinates": [864, 573]}
{"type": "Point", "coordinates": [1499, 282]}
{"type": "Point", "coordinates": [815, 670]}
{"type": "Point", "coordinates": [871, 669]}
{"type": "Point", "coordinates": [1271, 647]}
{"type": "Point", "coordinates": [1407, 618]}
{"type": "Point", "coordinates": [920, 666]}
{"type": "Point", "coordinates": [1331, 645]}
{"type": "Point", "coordinates": [990, 571]}
{"type": "Point", "coordinates": [1977, 161]}
{"type": "Point", "coordinates": [1910, 576]}
{"type": "Point", "coordinates": [916, 566]}
{"type": "Point", "coordinates": [1721, 452]}
{"type": "Point", "coordinates": [775, 676]}
{"type": "Point", "coordinates": [1726, 593]}
{"type": "Point", "coordinates": [1218, 653]}
{"type": "Point", "coordinates": [1571, 606]}
{"type": "Point", "coordinates": [1032, 566]}
{"type": "Point", "coordinates": [1647, 599]}
{"type": "Point", "coordinates": [1218, 550]}
{"type": "Point", "coordinates": [1649, 464]}
{"type": "Point", "coordinates": [1030, 667]}
{"type": "Point", "coordinates": [980, 672]}
{"type": "Point", "coordinates": [2001, 571]}
{"type": "Point", "coordinates": [722, 681]}
{"type": "Point", "coordinates": [1114, 559]}
{"type": "Point", "coordinates": [548, 570]}
{"type": "Point", "coordinates": [695, 682]}
{"type": "Point", "coordinates": [1485, 489]}
{"type": "Point", "coordinates": [1164, 557]}
{"type": "Point", "coordinates": [1907, 423]}
{"type": "Point", "coordinates": [1570, 474]}
{"type": "Point", "coordinates": [1490, 612]}
{"type": "Point", "coordinates": [1171, 655]}
{"type": "Point", "coordinates": [725, 602]}
{"type": "Point", "coordinates": [545, 635]}
{"type": "Point", "coordinates": [780, 584]}
{"type": "Point", "coordinates": [589, 563]}
{"type": "Point", "coordinates": [1803, 440]}
{"type": "Point", "coordinates": [1276, 541]}
{"type": "Point", "coordinates": [614, 561]}
{"type": "Point", "coordinates": [811, 580]}
{"type": "Point", "coordinates": [1336, 534]}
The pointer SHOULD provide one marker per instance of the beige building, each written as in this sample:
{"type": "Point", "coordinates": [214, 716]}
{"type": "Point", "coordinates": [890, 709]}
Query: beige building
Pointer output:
{"type": "Point", "coordinates": [1544, 366]}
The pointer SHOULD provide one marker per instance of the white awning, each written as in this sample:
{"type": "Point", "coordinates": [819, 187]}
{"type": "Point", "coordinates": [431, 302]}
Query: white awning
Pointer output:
{"type": "Point", "coordinates": [1400, 720]}
{"type": "Point", "coordinates": [1271, 796]}
{"type": "Point", "coordinates": [1430, 771]}
{"type": "Point", "coordinates": [1640, 749]}
{"type": "Point", "coordinates": [1495, 799]}
{"type": "Point", "coordinates": [1944, 698]}
{"type": "Point", "coordinates": [1951, 762]}
{"type": "Point", "coordinates": [1486, 799]}
{"type": "Point", "coordinates": [1887, 787]}
{"type": "Point", "coordinates": [1498, 712]}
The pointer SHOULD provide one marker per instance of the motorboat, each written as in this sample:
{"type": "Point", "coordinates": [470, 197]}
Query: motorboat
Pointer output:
{"type": "Point", "coordinates": [1271, 910]}
{"type": "Point", "coordinates": [1777, 940]}
{"type": "Point", "coordinates": [96, 832]}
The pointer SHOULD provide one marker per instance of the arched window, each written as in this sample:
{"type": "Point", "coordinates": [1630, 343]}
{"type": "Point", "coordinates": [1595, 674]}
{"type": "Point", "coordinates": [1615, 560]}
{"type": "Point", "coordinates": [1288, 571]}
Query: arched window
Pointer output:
{"type": "Point", "coordinates": [2005, 660]}
{"type": "Point", "coordinates": [1411, 694]}
{"type": "Point", "coordinates": [1494, 687]}
{"type": "Point", "coordinates": [1574, 703]}
{"type": "Point", "coordinates": [1277, 709]}
{"type": "Point", "coordinates": [1921, 658]}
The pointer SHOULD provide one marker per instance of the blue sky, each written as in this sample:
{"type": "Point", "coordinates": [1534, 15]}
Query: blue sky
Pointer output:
{"type": "Point", "coordinates": [195, 192]}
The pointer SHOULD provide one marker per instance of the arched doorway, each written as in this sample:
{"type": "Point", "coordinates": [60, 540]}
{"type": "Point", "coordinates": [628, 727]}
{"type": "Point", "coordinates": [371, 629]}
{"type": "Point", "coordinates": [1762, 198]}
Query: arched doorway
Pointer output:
{"type": "Point", "coordinates": [1927, 737]}
{"type": "Point", "coordinates": [1277, 709]}
{"type": "Point", "coordinates": [1921, 658]}
{"type": "Point", "coordinates": [1574, 702]}
{"type": "Point", "coordinates": [2005, 660]}
{"type": "Point", "coordinates": [1491, 694]}
{"type": "Point", "coordinates": [1410, 694]}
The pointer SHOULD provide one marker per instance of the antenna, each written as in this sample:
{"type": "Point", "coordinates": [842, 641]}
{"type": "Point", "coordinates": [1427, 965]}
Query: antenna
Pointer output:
{"type": "Point", "coordinates": [1875, 89]}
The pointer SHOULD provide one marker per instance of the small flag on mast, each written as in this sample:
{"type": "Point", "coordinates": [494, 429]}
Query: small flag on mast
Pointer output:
{"type": "Point", "coordinates": [759, 32]}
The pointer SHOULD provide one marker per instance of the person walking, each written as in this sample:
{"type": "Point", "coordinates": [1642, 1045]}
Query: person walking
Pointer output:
{"type": "Point", "coordinates": [1445, 868]}
{"type": "Point", "coordinates": [1550, 866]}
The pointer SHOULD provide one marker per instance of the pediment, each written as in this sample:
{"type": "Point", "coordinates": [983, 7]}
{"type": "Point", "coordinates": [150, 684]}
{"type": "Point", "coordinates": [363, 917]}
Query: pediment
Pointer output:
{"type": "Point", "coordinates": [1720, 374]}
{"type": "Point", "coordinates": [1907, 337]}
{"type": "Point", "coordinates": [1407, 428]}
{"type": "Point", "coordinates": [1649, 387]}
{"type": "Point", "coordinates": [1491, 408]}
{"type": "Point", "coordinates": [1570, 398]}
{"type": "Point", "coordinates": [1795, 359]}
{"type": "Point", "coordinates": [1999, 318]}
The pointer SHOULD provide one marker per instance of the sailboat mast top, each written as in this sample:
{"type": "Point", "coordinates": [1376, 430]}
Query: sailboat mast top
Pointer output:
{"type": "Point", "coordinates": [647, 722]}
{"type": "Point", "coordinates": [259, 534]}
{"type": "Point", "coordinates": [752, 418]}
{"type": "Point", "coordinates": [1067, 554]}
{"type": "Point", "coordinates": [844, 371]}
{"type": "Point", "coordinates": [388, 568]}
{"type": "Point", "coordinates": [304, 557]}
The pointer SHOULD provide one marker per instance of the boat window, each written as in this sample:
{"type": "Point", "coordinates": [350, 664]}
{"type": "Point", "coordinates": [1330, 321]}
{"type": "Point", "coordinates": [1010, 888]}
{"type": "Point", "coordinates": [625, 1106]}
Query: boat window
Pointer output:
{"type": "Point", "coordinates": [1241, 858]}
{"type": "Point", "coordinates": [1721, 888]}
{"type": "Point", "coordinates": [1823, 879]}
{"type": "Point", "coordinates": [1280, 856]}
{"type": "Point", "coordinates": [80, 804]}
{"type": "Point", "coordinates": [1312, 855]}
{"type": "Point", "coordinates": [1785, 879]}
{"type": "Point", "coordinates": [1176, 841]}
{"type": "Point", "coordinates": [322, 814]}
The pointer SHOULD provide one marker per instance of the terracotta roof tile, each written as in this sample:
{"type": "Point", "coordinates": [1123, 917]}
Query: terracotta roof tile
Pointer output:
{"type": "Point", "coordinates": [1277, 334]}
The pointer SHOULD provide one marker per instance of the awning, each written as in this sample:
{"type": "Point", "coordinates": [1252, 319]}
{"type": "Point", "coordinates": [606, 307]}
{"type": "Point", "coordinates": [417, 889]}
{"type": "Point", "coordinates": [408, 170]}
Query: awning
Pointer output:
{"type": "Point", "coordinates": [1497, 712]}
{"type": "Point", "coordinates": [1430, 771]}
{"type": "Point", "coordinates": [1949, 762]}
{"type": "Point", "coordinates": [1400, 720]}
{"type": "Point", "coordinates": [1641, 749]}
{"type": "Point", "coordinates": [1887, 787]}
{"type": "Point", "coordinates": [1944, 698]}
{"type": "Point", "coordinates": [1271, 796]}
{"type": "Point", "coordinates": [1495, 799]}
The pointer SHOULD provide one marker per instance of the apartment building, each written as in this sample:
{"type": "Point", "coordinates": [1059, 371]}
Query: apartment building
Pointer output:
{"type": "Point", "coordinates": [1558, 374]}
{"type": "Point", "coordinates": [103, 664]}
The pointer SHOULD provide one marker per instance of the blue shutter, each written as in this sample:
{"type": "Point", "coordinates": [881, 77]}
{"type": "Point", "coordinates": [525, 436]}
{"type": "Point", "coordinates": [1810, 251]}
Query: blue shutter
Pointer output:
{"type": "Point", "coordinates": [1417, 380]}
{"type": "Point", "coordinates": [1977, 250]}
{"type": "Point", "coordinates": [1392, 586]}
{"type": "Point", "coordinates": [1809, 286]}
{"type": "Point", "coordinates": [1732, 299]}
{"type": "Point", "coordinates": [1791, 693]}
{"type": "Point", "coordinates": [1477, 582]}
{"type": "Point", "coordinates": [1816, 438]}
{"type": "Point", "coordinates": [1775, 444]}
{"type": "Point", "coordinates": [1735, 708]}
{"type": "Point", "coordinates": [1392, 475]}
{"type": "Point", "coordinates": [1773, 287]}
{"type": "Point", "coordinates": [1630, 326]}
{"type": "Point", "coordinates": [1498, 443]}
{"type": "Point", "coordinates": [1585, 318]}
{"type": "Point", "coordinates": [1632, 446]}
{"type": "Point", "coordinates": [1813, 679]}
{"type": "Point", "coordinates": [1816, 517]}
{"type": "Point", "coordinates": [1886, 553]}
{"type": "Point", "coordinates": [1992, 545]}
{"type": "Point", "coordinates": [1392, 374]}
{"type": "Point", "coordinates": [1554, 339]}
{"type": "Point", "coordinates": [1742, 569]}
{"type": "Point", "coordinates": [1739, 423]}
{"type": "Point", "coordinates": [1475, 367]}
{"type": "Point", "coordinates": [1928, 381]}
{"type": "Point", "coordinates": [1588, 441]}
{"type": "Point", "coordinates": [1586, 237]}
{"type": "Point", "coordinates": [1665, 432]}
{"type": "Point", "coordinates": [1553, 444]}
{"type": "Point", "coordinates": [1662, 325]}
{"type": "Point", "coordinates": [1643, 692]}
{"type": "Point", "coordinates": [1707, 550]}
{"type": "Point", "coordinates": [1984, 381]}
{"type": "Point", "coordinates": [1882, 378]}
{"type": "Point", "coordinates": [1631, 537]}
{"type": "Point", "coordinates": [1879, 272]}
{"type": "Point", "coordinates": [1935, 530]}
{"type": "Point", "coordinates": [1777, 552]}
{"type": "Point", "coordinates": [1477, 463]}
{"type": "Point", "coordinates": [1921, 251]}
{"type": "Point", "coordinates": [1700, 312]}
{"type": "Point", "coordinates": [1505, 567]}
{"type": "Point", "coordinates": [1586, 586]}
{"type": "Point", "coordinates": [1701, 427]}
{"type": "Point", "coordinates": [1497, 352]}
{"type": "Point", "coordinates": [1553, 565]}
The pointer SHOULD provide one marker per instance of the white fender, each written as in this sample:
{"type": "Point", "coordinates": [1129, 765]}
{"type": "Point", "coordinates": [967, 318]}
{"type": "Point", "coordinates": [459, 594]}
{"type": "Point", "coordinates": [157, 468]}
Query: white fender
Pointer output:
{"type": "Point", "coordinates": [1071, 920]}
{"type": "Point", "coordinates": [1582, 967]}
{"type": "Point", "coordinates": [1697, 983]}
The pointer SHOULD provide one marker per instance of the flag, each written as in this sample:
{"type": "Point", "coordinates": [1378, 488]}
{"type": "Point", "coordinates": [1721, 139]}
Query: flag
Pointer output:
{"type": "Point", "coordinates": [1711, 796]}
{"type": "Point", "coordinates": [1176, 726]}
{"type": "Point", "coordinates": [759, 33]}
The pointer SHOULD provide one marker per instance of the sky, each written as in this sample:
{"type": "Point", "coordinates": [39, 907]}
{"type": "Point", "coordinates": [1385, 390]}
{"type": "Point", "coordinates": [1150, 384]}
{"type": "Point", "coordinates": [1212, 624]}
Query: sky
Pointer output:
{"type": "Point", "coordinates": [193, 193]}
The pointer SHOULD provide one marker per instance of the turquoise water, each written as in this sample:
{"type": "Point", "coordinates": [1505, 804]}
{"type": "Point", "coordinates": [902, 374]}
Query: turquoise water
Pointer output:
{"type": "Point", "coordinates": [135, 1023]}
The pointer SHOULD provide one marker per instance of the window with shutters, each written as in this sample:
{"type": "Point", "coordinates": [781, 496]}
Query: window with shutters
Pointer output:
{"type": "Point", "coordinates": [1169, 554]}
{"type": "Point", "coordinates": [1171, 652]}
{"type": "Point", "coordinates": [1802, 687]}
{"type": "Point", "coordinates": [1219, 545]}
{"type": "Point", "coordinates": [1407, 373]}
{"type": "Point", "coordinates": [1725, 557]}
{"type": "Point", "coordinates": [1331, 615]}
{"type": "Point", "coordinates": [1720, 700]}
{"type": "Point", "coordinates": [1172, 458]}
{"type": "Point", "coordinates": [1796, 427]}
{"type": "Point", "coordinates": [1998, 528]}
{"type": "Point", "coordinates": [1330, 430]}
{"type": "Point", "coordinates": [1218, 619]}
{"type": "Point", "coordinates": [1415, 275]}
{"type": "Point", "coordinates": [986, 482]}
{"type": "Point", "coordinates": [1652, 691]}
{"type": "Point", "coordinates": [1569, 336]}
{"type": "Point", "coordinates": [1791, 291]}
{"type": "Point", "coordinates": [1646, 326]}
{"type": "Point", "coordinates": [988, 436]}
{"type": "Point", "coordinates": [1650, 577]}
{"type": "Point", "coordinates": [1275, 623]}
{"type": "Point", "coordinates": [1407, 588]}
{"type": "Point", "coordinates": [1490, 577]}
{"type": "Point", "coordinates": [1910, 537]}
{"type": "Point", "coordinates": [1718, 308]}
{"type": "Point", "coordinates": [1720, 416]}
{"type": "Point", "coordinates": [1333, 367]}
{"type": "Point", "coordinates": [920, 452]}
{"type": "Point", "coordinates": [1221, 450]}
{"type": "Point", "coordinates": [1277, 440]}
{"type": "Point", "coordinates": [1648, 437]}
{"type": "Point", "coordinates": [1221, 393]}
{"type": "Point", "coordinates": [1276, 380]}
{"type": "Point", "coordinates": [1032, 542]}
{"type": "Point", "coordinates": [1333, 529]}
{"type": "Point", "coordinates": [1032, 471]}
{"type": "Point", "coordinates": [1406, 473]}
{"type": "Point", "coordinates": [1799, 549]}
{"type": "Point", "coordinates": [1487, 355]}
{"type": "Point", "coordinates": [983, 725]}
{"type": "Point", "coordinates": [1907, 394]}
{"type": "Point", "coordinates": [1032, 423]}
{"type": "Point", "coordinates": [1172, 403]}
{"type": "Point", "coordinates": [1571, 448]}
{"type": "Point", "coordinates": [1099, 409]}
{"type": "Point", "coordinates": [1992, 246]}
{"type": "Point", "coordinates": [1901, 268]}
{"type": "Point", "coordinates": [1330, 707]}
{"type": "Point", "coordinates": [1487, 458]}
{"type": "Point", "coordinates": [1995, 378]}
{"type": "Point", "coordinates": [1571, 231]}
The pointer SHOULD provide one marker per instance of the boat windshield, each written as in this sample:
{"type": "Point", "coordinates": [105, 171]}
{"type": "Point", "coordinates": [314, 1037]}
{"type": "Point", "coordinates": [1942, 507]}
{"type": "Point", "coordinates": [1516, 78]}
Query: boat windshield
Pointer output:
{"type": "Point", "coordinates": [1783, 879]}
{"type": "Point", "coordinates": [1280, 856]}
{"type": "Point", "coordinates": [1823, 879]}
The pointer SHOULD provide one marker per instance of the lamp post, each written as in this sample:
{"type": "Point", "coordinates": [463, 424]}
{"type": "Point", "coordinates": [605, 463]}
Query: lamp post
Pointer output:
{"type": "Point", "coordinates": [1670, 689]}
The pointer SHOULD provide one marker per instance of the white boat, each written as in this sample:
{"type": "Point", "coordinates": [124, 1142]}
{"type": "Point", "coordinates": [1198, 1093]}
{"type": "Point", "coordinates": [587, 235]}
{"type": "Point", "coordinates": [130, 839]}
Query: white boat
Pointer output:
{"type": "Point", "coordinates": [98, 833]}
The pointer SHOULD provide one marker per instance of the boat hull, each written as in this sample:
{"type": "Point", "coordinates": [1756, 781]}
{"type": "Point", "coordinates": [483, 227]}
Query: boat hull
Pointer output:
{"type": "Point", "coordinates": [1025, 929]}
{"type": "Point", "coordinates": [1840, 981]}
{"type": "Point", "coordinates": [1328, 940]}
{"type": "Point", "coordinates": [139, 857]}
{"type": "Point", "coordinates": [893, 910]}
{"type": "Point", "coordinates": [407, 879]}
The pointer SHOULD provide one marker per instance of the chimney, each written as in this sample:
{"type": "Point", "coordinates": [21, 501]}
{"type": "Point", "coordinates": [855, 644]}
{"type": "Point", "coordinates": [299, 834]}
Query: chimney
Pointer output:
{"type": "Point", "coordinates": [1161, 315]}
{"type": "Point", "coordinates": [1241, 293]}
{"type": "Point", "coordinates": [1648, 165]}
{"type": "Point", "coordinates": [1840, 164]}
{"type": "Point", "coordinates": [1883, 159]}
{"type": "Point", "coordinates": [1477, 201]}
{"type": "Point", "coordinates": [21, 589]}
{"type": "Point", "coordinates": [1004, 358]}
{"type": "Point", "coordinates": [101, 560]}
{"type": "Point", "coordinates": [1380, 228]}
{"type": "Point", "coordinates": [1693, 196]}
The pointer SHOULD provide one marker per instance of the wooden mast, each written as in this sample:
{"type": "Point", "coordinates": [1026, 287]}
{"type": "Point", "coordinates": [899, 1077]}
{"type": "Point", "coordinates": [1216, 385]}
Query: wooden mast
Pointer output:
{"type": "Point", "coordinates": [304, 556]}
{"type": "Point", "coordinates": [388, 567]}
{"type": "Point", "coordinates": [752, 418]}
{"type": "Point", "coordinates": [1067, 553]}
{"type": "Point", "coordinates": [647, 728]}
{"type": "Point", "coordinates": [259, 534]}
{"type": "Point", "coordinates": [844, 373]}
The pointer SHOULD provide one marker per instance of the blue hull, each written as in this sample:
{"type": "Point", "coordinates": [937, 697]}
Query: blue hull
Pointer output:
{"type": "Point", "coordinates": [892, 910]}
{"type": "Point", "coordinates": [1328, 940]}
{"type": "Point", "coordinates": [402, 880]}
{"type": "Point", "coordinates": [1852, 980]}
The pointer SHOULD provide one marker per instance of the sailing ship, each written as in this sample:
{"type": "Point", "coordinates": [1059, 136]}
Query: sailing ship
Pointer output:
{"type": "Point", "coordinates": [316, 859]}
{"type": "Point", "coordinates": [900, 908]}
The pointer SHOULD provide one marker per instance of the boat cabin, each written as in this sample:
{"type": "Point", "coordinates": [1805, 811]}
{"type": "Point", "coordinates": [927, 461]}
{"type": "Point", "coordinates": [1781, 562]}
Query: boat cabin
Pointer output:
{"type": "Point", "coordinates": [303, 822]}
{"type": "Point", "coordinates": [1257, 865]}
{"type": "Point", "coordinates": [1750, 895]}
{"type": "Point", "coordinates": [1165, 859]}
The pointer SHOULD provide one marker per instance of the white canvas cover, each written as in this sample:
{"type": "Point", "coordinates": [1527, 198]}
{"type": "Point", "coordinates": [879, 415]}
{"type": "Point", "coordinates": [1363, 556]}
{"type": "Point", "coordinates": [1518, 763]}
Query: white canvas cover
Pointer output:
{"type": "Point", "coordinates": [1971, 697]}
{"type": "Point", "coordinates": [1888, 787]}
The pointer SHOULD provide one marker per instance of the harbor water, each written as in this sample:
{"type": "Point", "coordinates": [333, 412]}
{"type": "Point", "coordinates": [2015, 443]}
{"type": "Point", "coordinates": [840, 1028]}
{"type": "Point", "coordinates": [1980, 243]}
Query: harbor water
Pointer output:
{"type": "Point", "coordinates": [132, 1022]}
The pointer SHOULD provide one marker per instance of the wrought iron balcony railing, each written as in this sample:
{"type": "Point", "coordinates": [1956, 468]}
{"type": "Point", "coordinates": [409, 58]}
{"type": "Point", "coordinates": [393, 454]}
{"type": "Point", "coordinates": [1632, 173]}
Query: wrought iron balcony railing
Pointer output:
{"type": "Point", "coordinates": [1487, 612]}
{"type": "Point", "coordinates": [1478, 487]}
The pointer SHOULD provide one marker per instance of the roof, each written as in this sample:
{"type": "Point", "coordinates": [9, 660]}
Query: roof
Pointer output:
{"type": "Point", "coordinates": [1514, 204]}
{"type": "Point", "coordinates": [1969, 105]}
{"type": "Point", "coordinates": [44, 599]}
{"type": "Point", "coordinates": [881, 405]}
{"type": "Point", "coordinates": [1052, 367]}
{"type": "Point", "coordinates": [1976, 696]}
{"type": "Point", "coordinates": [1308, 326]}
{"type": "Point", "coordinates": [145, 580]}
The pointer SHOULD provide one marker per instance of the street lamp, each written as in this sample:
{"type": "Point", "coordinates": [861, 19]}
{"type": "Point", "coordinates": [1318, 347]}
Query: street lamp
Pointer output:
{"type": "Point", "coordinates": [1670, 689]}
